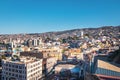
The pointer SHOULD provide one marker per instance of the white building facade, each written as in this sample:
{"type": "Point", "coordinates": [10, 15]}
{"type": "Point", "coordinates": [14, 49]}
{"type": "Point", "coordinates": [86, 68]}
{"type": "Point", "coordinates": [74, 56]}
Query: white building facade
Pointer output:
{"type": "Point", "coordinates": [26, 69]}
{"type": "Point", "coordinates": [50, 63]}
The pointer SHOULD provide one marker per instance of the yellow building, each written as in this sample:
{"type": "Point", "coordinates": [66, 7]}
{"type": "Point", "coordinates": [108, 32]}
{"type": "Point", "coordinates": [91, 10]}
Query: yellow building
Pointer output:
{"type": "Point", "coordinates": [75, 52]}
{"type": "Point", "coordinates": [53, 52]}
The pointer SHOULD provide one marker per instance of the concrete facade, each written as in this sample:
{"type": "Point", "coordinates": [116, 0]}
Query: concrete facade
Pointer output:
{"type": "Point", "coordinates": [26, 69]}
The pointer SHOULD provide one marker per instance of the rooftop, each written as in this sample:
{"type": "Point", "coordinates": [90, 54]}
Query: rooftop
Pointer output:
{"type": "Point", "coordinates": [108, 69]}
{"type": "Point", "coordinates": [23, 60]}
{"type": "Point", "coordinates": [65, 66]}
{"type": "Point", "coordinates": [32, 54]}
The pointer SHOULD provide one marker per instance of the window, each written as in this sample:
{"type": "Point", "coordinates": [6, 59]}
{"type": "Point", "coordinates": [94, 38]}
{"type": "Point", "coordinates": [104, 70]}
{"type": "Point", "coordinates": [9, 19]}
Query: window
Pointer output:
{"type": "Point", "coordinates": [10, 74]}
{"type": "Point", "coordinates": [20, 71]}
{"type": "Point", "coordinates": [13, 66]}
{"type": "Point", "coordinates": [20, 67]}
{"type": "Point", "coordinates": [6, 73]}
{"type": "Point", "coordinates": [16, 66]}
{"type": "Point", "coordinates": [16, 70]}
{"type": "Point", "coordinates": [9, 65]}
{"type": "Point", "coordinates": [31, 70]}
{"type": "Point", "coordinates": [24, 72]}
{"type": "Point", "coordinates": [13, 70]}
{"type": "Point", "coordinates": [9, 69]}
{"type": "Point", "coordinates": [23, 67]}
{"type": "Point", "coordinates": [16, 75]}
{"type": "Point", "coordinates": [6, 64]}
{"type": "Point", "coordinates": [38, 63]}
{"type": "Point", "coordinates": [20, 76]}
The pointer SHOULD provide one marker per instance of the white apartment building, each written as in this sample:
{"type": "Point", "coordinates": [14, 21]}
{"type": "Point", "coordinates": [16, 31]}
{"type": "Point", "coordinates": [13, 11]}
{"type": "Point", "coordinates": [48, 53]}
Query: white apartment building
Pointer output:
{"type": "Point", "coordinates": [35, 42]}
{"type": "Point", "coordinates": [50, 62]}
{"type": "Point", "coordinates": [28, 68]}
{"type": "Point", "coordinates": [82, 34]}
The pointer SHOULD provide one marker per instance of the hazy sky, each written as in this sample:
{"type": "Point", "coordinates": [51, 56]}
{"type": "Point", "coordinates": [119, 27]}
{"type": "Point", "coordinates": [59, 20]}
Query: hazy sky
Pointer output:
{"type": "Point", "coordinates": [28, 16]}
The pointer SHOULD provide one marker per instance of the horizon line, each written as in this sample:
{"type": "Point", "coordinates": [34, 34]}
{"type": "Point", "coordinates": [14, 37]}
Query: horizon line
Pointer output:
{"type": "Point", "coordinates": [23, 33]}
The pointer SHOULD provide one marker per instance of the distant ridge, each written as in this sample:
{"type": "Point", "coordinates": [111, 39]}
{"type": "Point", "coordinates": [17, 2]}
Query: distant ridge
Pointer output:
{"type": "Point", "coordinates": [113, 31]}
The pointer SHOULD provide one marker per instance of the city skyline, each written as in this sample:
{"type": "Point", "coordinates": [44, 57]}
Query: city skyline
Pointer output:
{"type": "Point", "coordinates": [46, 16]}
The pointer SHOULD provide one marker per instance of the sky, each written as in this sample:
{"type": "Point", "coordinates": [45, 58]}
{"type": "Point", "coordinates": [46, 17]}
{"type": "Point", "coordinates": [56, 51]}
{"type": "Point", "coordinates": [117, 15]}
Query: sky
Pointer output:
{"type": "Point", "coordinates": [37, 16]}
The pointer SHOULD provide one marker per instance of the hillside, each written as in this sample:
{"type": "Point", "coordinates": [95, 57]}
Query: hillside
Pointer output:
{"type": "Point", "coordinates": [112, 31]}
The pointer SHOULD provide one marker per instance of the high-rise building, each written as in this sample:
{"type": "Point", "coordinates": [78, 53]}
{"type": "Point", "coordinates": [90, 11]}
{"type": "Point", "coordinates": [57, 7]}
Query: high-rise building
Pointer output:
{"type": "Point", "coordinates": [34, 42]}
{"type": "Point", "coordinates": [26, 68]}
{"type": "Point", "coordinates": [82, 34]}
{"type": "Point", "coordinates": [29, 43]}
{"type": "Point", "coordinates": [10, 40]}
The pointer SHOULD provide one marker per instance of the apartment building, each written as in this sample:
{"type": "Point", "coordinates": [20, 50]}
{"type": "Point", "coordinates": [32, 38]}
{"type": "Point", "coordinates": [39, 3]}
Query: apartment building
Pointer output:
{"type": "Point", "coordinates": [50, 62]}
{"type": "Point", "coordinates": [52, 52]}
{"type": "Point", "coordinates": [27, 68]}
